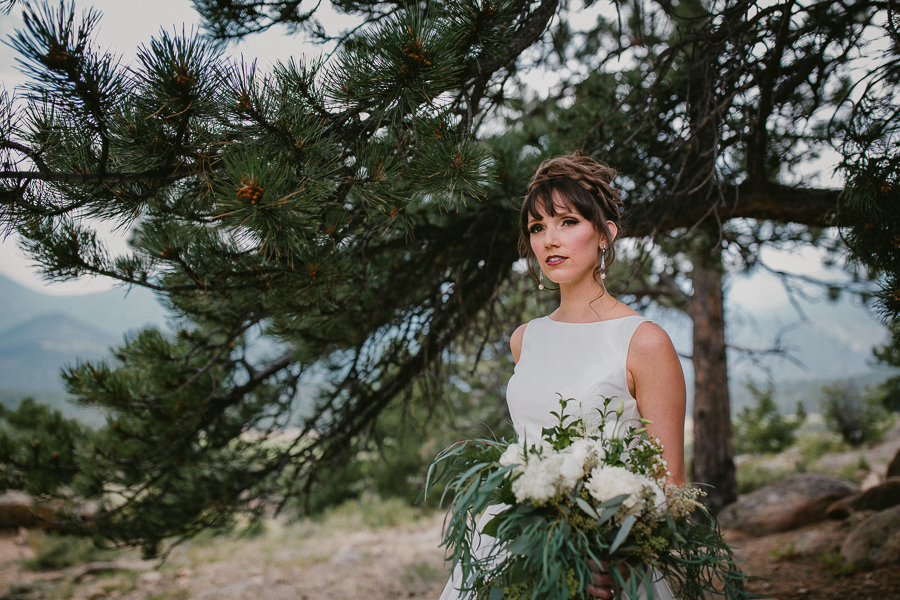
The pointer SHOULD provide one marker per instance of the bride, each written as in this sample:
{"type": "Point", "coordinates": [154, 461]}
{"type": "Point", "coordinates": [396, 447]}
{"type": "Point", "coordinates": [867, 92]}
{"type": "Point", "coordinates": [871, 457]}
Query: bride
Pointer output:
{"type": "Point", "coordinates": [592, 346]}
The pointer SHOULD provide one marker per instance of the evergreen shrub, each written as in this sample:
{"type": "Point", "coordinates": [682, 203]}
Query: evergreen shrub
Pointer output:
{"type": "Point", "coordinates": [761, 429]}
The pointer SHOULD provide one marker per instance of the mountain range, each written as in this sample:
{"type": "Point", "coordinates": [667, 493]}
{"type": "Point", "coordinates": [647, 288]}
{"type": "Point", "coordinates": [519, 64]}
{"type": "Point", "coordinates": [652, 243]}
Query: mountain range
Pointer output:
{"type": "Point", "coordinates": [40, 334]}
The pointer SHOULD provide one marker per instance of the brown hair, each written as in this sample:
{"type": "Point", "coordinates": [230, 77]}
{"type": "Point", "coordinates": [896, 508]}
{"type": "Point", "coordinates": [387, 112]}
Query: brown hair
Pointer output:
{"type": "Point", "coordinates": [585, 185]}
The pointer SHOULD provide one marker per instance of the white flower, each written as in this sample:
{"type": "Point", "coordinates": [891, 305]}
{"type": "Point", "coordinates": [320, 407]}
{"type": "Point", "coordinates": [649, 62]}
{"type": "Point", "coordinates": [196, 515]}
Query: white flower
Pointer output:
{"type": "Point", "coordinates": [537, 482]}
{"type": "Point", "coordinates": [570, 468]}
{"type": "Point", "coordinates": [513, 455]}
{"type": "Point", "coordinates": [547, 475]}
{"type": "Point", "coordinates": [605, 483]}
{"type": "Point", "coordinates": [586, 450]}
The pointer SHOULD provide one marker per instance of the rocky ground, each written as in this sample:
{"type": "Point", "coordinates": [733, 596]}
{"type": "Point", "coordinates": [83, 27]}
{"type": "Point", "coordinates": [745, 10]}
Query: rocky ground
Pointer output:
{"type": "Point", "coordinates": [380, 551]}
{"type": "Point", "coordinates": [327, 561]}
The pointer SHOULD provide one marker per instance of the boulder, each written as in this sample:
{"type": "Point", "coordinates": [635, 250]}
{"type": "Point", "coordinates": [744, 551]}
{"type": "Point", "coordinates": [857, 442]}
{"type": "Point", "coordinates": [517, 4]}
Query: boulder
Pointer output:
{"type": "Point", "coordinates": [875, 541]}
{"type": "Point", "coordinates": [893, 469]}
{"type": "Point", "coordinates": [880, 497]}
{"type": "Point", "coordinates": [796, 500]}
{"type": "Point", "coordinates": [18, 509]}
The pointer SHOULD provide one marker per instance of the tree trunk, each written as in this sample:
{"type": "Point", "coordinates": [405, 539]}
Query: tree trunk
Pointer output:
{"type": "Point", "coordinates": [713, 461]}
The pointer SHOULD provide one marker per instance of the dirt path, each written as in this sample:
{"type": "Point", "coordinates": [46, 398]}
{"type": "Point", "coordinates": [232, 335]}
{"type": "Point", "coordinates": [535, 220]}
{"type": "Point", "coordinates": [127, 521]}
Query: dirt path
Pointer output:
{"type": "Point", "coordinates": [302, 561]}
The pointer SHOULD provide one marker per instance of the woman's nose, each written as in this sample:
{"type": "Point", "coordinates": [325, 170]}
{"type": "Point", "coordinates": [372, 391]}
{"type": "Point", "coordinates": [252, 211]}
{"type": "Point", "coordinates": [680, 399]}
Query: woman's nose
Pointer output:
{"type": "Point", "coordinates": [551, 238]}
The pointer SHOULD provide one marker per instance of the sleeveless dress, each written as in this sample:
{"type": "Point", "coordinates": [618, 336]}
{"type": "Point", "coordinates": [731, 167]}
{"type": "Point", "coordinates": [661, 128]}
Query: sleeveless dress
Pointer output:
{"type": "Point", "coordinates": [584, 361]}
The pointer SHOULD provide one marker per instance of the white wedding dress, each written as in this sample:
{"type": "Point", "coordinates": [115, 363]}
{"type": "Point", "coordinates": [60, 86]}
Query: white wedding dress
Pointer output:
{"type": "Point", "coordinates": [584, 361]}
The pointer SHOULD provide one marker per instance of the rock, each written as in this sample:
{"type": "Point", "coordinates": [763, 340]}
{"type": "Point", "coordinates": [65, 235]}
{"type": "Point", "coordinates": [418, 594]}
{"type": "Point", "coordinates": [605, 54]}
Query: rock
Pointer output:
{"type": "Point", "coordinates": [18, 509]}
{"type": "Point", "coordinates": [872, 479]}
{"type": "Point", "coordinates": [875, 541]}
{"type": "Point", "coordinates": [880, 497]}
{"type": "Point", "coordinates": [792, 502]}
{"type": "Point", "coordinates": [814, 542]}
{"type": "Point", "coordinates": [893, 469]}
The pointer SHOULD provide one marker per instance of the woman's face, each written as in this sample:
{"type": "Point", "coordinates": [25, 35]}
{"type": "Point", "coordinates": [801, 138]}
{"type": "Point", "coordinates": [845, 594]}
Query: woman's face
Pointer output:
{"type": "Point", "coordinates": [566, 245]}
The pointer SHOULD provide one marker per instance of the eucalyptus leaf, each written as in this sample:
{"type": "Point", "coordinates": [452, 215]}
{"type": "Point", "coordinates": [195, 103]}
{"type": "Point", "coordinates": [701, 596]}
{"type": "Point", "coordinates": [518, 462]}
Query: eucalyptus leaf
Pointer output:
{"type": "Point", "coordinates": [490, 528]}
{"type": "Point", "coordinates": [606, 515]}
{"type": "Point", "coordinates": [587, 508]}
{"type": "Point", "coordinates": [627, 524]}
{"type": "Point", "coordinates": [614, 502]}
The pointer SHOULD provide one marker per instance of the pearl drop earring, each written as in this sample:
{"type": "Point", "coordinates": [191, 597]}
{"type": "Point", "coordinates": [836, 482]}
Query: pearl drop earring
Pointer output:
{"type": "Point", "coordinates": [603, 262]}
{"type": "Point", "coordinates": [541, 284]}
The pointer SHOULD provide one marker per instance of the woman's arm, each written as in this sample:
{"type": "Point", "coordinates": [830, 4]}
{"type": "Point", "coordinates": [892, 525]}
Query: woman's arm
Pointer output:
{"type": "Point", "coordinates": [657, 383]}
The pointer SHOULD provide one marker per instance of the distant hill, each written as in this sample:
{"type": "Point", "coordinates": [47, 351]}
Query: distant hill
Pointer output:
{"type": "Point", "coordinates": [40, 334]}
{"type": "Point", "coordinates": [808, 392]}
{"type": "Point", "coordinates": [33, 353]}
{"type": "Point", "coordinates": [114, 312]}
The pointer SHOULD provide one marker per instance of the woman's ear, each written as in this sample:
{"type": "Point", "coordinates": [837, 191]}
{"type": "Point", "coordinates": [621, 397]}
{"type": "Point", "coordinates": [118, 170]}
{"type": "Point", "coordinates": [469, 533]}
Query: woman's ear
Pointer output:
{"type": "Point", "coordinates": [613, 232]}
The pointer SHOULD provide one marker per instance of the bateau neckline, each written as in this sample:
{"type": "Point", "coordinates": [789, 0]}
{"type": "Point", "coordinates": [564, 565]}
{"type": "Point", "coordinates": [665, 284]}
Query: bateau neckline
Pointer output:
{"type": "Point", "coordinates": [593, 322]}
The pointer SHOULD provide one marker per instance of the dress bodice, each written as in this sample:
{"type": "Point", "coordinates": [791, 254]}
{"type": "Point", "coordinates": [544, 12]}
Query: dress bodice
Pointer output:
{"type": "Point", "coordinates": [583, 361]}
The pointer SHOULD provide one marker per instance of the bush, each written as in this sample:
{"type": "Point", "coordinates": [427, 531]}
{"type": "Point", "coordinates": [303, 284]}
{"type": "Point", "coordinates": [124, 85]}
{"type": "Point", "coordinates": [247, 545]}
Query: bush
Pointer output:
{"type": "Point", "coordinates": [762, 428]}
{"type": "Point", "coordinates": [855, 418]}
{"type": "Point", "coordinates": [53, 551]}
{"type": "Point", "coordinates": [752, 475]}
{"type": "Point", "coordinates": [815, 444]}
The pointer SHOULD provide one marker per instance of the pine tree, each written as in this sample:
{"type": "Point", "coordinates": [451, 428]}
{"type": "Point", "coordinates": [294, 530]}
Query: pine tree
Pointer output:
{"type": "Point", "coordinates": [281, 205]}
{"type": "Point", "coordinates": [707, 109]}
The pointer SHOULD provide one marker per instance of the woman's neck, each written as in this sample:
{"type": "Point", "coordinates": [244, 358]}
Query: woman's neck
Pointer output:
{"type": "Point", "coordinates": [584, 303]}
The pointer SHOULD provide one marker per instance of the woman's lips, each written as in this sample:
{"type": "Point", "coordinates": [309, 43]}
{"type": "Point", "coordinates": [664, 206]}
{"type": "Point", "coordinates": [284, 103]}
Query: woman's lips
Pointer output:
{"type": "Point", "coordinates": [555, 260]}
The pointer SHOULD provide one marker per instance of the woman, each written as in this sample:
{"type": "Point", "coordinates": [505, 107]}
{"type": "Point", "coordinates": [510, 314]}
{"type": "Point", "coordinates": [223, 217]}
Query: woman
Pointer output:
{"type": "Point", "coordinates": [592, 346]}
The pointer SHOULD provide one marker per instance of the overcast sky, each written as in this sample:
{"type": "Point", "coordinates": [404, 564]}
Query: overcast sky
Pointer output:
{"type": "Point", "coordinates": [128, 24]}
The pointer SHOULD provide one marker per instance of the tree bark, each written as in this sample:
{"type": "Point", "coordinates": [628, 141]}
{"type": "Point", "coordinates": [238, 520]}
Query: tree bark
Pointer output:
{"type": "Point", "coordinates": [713, 461]}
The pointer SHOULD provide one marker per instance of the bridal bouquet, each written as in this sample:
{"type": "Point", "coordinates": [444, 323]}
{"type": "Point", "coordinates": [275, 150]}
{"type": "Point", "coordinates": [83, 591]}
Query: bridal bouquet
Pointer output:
{"type": "Point", "coordinates": [580, 494]}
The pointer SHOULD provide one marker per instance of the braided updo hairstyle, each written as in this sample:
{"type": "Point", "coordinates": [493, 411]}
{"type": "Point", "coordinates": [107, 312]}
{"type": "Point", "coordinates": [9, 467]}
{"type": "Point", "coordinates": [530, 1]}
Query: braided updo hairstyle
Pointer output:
{"type": "Point", "coordinates": [582, 183]}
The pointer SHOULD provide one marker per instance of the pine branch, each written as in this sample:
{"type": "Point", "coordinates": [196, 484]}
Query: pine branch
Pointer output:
{"type": "Point", "coordinates": [105, 178]}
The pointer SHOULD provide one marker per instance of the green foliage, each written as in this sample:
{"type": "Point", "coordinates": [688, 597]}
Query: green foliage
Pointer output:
{"type": "Point", "coordinates": [785, 551]}
{"type": "Point", "coordinates": [54, 552]}
{"type": "Point", "coordinates": [761, 429]}
{"type": "Point", "coordinates": [836, 563]}
{"type": "Point", "coordinates": [371, 512]}
{"type": "Point", "coordinates": [814, 445]}
{"type": "Point", "coordinates": [858, 419]}
{"type": "Point", "coordinates": [754, 474]}
{"type": "Point", "coordinates": [39, 447]}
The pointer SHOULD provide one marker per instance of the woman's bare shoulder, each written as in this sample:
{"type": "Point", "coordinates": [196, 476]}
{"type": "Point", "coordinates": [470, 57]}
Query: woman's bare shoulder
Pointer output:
{"type": "Point", "coordinates": [650, 338]}
{"type": "Point", "coordinates": [515, 341]}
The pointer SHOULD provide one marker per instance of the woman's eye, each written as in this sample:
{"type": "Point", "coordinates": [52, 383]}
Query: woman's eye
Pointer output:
{"type": "Point", "coordinates": [570, 222]}
{"type": "Point", "coordinates": [535, 229]}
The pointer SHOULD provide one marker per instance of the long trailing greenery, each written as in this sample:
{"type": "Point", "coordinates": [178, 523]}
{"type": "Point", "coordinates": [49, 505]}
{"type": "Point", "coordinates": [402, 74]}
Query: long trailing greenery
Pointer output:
{"type": "Point", "coordinates": [583, 493]}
